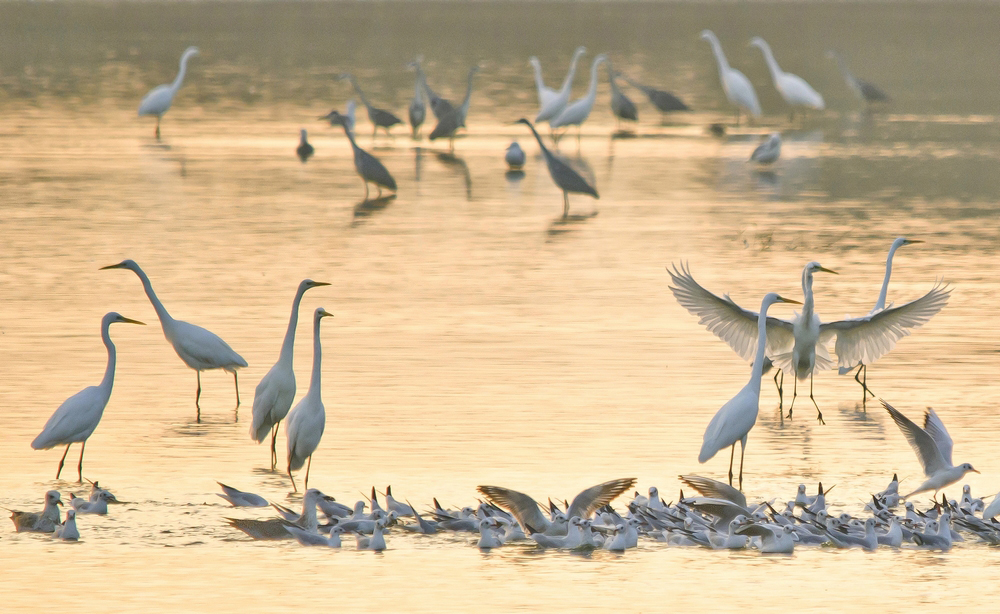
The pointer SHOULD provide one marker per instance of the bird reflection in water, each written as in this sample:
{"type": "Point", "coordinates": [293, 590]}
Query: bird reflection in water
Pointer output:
{"type": "Point", "coordinates": [568, 222]}
{"type": "Point", "coordinates": [367, 207]}
{"type": "Point", "coordinates": [452, 161]}
{"type": "Point", "coordinates": [514, 176]}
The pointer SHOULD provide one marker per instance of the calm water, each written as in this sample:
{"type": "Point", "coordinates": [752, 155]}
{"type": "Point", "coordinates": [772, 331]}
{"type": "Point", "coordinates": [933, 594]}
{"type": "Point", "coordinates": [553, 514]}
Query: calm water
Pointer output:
{"type": "Point", "coordinates": [477, 338]}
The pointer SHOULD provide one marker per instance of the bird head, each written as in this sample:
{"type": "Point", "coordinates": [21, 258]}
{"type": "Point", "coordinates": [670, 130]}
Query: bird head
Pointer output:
{"type": "Point", "coordinates": [124, 264]}
{"type": "Point", "coordinates": [966, 467]}
{"type": "Point", "coordinates": [758, 42]}
{"type": "Point", "coordinates": [115, 318]}
{"type": "Point", "coordinates": [308, 283]}
{"type": "Point", "coordinates": [814, 267]}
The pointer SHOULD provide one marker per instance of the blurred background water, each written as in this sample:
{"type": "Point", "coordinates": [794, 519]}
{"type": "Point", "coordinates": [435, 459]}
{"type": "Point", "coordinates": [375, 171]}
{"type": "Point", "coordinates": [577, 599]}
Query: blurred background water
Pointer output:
{"type": "Point", "coordinates": [478, 338]}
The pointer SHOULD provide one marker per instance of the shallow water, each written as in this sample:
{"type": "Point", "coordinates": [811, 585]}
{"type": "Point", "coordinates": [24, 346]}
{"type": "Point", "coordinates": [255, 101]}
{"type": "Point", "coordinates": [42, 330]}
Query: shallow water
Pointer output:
{"type": "Point", "coordinates": [478, 338]}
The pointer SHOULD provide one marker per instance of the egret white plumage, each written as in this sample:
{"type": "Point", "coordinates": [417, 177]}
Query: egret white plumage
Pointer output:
{"type": "Point", "coordinates": [865, 91]}
{"type": "Point", "coordinates": [78, 416]}
{"type": "Point", "coordinates": [793, 88]}
{"type": "Point", "coordinates": [557, 103]}
{"type": "Point", "coordinates": [369, 167]}
{"type": "Point", "coordinates": [561, 172]}
{"type": "Point", "coordinates": [734, 420]}
{"type": "Point", "coordinates": [879, 306]}
{"type": "Point", "coordinates": [199, 348]}
{"type": "Point", "coordinates": [933, 446]}
{"type": "Point", "coordinates": [380, 118]}
{"type": "Point", "coordinates": [735, 84]}
{"type": "Point", "coordinates": [578, 111]}
{"type": "Point", "coordinates": [276, 390]}
{"type": "Point", "coordinates": [306, 422]}
{"type": "Point", "coordinates": [545, 94]}
{"type": "Point", "coordinates": [768, 151]}
{"type": "Point", "coordinates": [158, 100]}
{"type": "Point", "coordinates": [799, 346]}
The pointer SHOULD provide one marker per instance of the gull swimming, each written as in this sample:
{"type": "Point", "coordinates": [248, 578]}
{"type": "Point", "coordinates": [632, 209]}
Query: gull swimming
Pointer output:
{"type": "Point", "coordinates": [274, 528]}
{"type": "Point", "coordinates": [68, 530]}
{"type": "Point", "coordinates": [44, 522]}
{"type": "Point", "coordinates": [239, 498]}
{"type": "Point", "coordinates": [527, 512]}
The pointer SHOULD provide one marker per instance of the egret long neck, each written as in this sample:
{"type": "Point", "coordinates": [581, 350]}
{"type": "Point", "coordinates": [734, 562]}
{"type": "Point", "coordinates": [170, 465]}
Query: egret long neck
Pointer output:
{"type": "Point", "coordinates": [772, 64]}
{"type": "Point", "coordinates": [807, 293]}
{"type": "Point", "coordinates": [357, 89]}
{"type": "Point", "coordinates": [592, 90]}
{"type": "Point", "coordinates": [287, 346]}
{"type": "Point", "coordinates": [720, 56]}
{"type": "Point", "coordinates": [568, 81]}
{"type": "Point", "coordinates": [317, 371]}
{"type": "Point", "coordinates": [539, 82]}
{"type": "Point", "coordinates": [758, 362]}
{"type": "Point", "coordinates": [161, 311]}
{"type": "Point", "coordinates": [109, 371]}
{"type": "Point", "coordinates": [885, 282]}
{"type": "Point", "coordinates": [468, 94]}
{"type": "Point", "coordinates": [176, 85]}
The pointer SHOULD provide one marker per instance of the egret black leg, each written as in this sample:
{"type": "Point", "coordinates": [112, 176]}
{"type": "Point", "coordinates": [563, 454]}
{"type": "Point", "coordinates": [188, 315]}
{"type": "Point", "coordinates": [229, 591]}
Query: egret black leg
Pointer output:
{"type": "Point", "coordinates": [379, 188]}
{"type": "Point", "coordinates": [780, 386]}
{"type": "Point", "coordinates": [62, 460]}
{"type": "Point", "coordinates": [565, 204]}
{"type": "Point", "coordinates": [236, 383]}
{"type": "Point", "coordinates": [795, 393]}
{"type": "Point", "coordinates": [308, 467]}
{"type": "Point", "coordinates": [197, 397]}
{"type": "Point", "coordinates": [818, 412]}
{"type": "Point", "coordinates": [732, 454]}
{"type": "Point", "coordinates": [274, 453]}
{"type": "Point", "coordinates": [79, 466]}
{"type": "Point", "coordinates": [157, 127]}
{"type": "Point", "coordinates": [366, 190]}
{"type": "Point", "coordinates": [294, 488]}
{"type": "Point", "coordinates": [743, 450]}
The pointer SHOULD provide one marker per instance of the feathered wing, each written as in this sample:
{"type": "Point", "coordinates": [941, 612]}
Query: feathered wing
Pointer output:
{"type": "Point", "coordinates": [74, 420]}
{"type": "Point", "coordinates": [204, 348]}
{"type": "Point", "coordinates": [727, 320]}
{"type": "Point", "coordinates": [758, 530]}
{"type": "Point", "coordinates": [935, 428]}
{"type": "Point", "coordinates": [866, 339]}
{"type": "Point", "coordinates": [524, 508]}
{"type": "Point", "coordinates": [586, 502]}
{"type": "Point", "coordinates": [922, 443]}
{"type": "Point", "coordinates": [714, 489]}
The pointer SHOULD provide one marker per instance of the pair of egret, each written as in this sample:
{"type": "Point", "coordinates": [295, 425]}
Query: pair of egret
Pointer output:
{"type": "Point", "coordinates": [740, 92]}
{"type": "Point", "coordinates": [798, 346]}
{"type": "Point", "coordinates": [555, 106]}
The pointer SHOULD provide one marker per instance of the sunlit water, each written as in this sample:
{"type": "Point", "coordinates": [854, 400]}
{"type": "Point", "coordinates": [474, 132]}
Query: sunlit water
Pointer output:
{"type": "Point", "coordinates": [477, 337]}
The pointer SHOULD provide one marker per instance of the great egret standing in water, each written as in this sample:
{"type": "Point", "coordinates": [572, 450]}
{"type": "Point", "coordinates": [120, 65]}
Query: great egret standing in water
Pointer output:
{"type": "Point", "coordinates": [562, 174]}
{"type": "Point", "coordinates": [367, 165]}
{"type": "Point", "coordinates": [200, 349]}
{"type": "Point", "coordinates": [557, 103]}
{"type": "Point", "coordinates": [276, 390]}
{"type": "Point", "coordinates": [79, 415]}
{"type": "Point", "coordinates": [578, 111]}
{"type": "Point", "coordinates": [793, 88]}
{"type": "Point", "coordinates": [545, 94]}
{"type": "Point", "coordinates": [799, 346]}
{"type": "Point", "coordinates": [733, 421]}
{"type": "Point", "coordinates": [305, 424]}
{"type": "Point", "coordinates": [735, 84]}
{"type": "Point", "coordinates": [158, 100]}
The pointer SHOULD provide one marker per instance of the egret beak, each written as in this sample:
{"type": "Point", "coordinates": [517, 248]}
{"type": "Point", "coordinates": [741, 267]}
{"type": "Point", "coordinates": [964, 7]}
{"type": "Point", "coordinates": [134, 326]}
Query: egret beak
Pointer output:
{"type": "Point", "coordinates": [782, 299]}
{"type": "Point", "coordinates": [324, 313]}
{"type": "Point", "coordinates": [826, 270]}
{"type": "Point", "coordinates": [320, 283]}
{"type": "Point", "coordinates": [112, 266]}
{"type": "Point", "coordinates": [131, 321]}
{"type": "Point", "coordinates": [911, 241]}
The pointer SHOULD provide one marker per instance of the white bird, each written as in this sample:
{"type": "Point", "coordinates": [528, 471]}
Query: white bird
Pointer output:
{"type": "Point", "coordinates": [75, 420]}
{"type": "Point", "coordinates": [734, 420]}
{"type": "Point", "coordinates": [274, 528]}
{"type": "Point", "coordinates": [276, 390]}
{"type": "Point", "coordinates": [768, 151]}
{"type": "Point", "coordinates": [514, 157]}
{"type": "Point", "coordinates": [993, 509]}
{"type": "Point", "coordinates": [794, 89]}
{"type": "Point", "coordinates": [545, 94]}
{"type": "Point", "coordinates": [526, 510]}
{"type": "Point", "coordinates": [555, 104]}
{"type": "Point", "coordinates": [305, 424]}
{"type": "Point", "coordinates": [488, 538]}
{"type": "Point", "coordinates": [862, 367]}
{"type": "Point", "coordinates": [773, 539]}
{"type": "Point", "coordinates": [68, 530]}
{"type": "Point", "coordinates": [578, 111]}
{"type": "Point", "coordinates": [735, 84]}
{"type": "Point", "coordinates": [310, 538]}
{"type": "Point", "coordinates": [932, 445]}
{"type": "Point", "coordinates": [158, 100]}
{"type": "Point", "coordinates": [868, 542]}
{"type": "Point", "coordinates": [377, 541]}
{"type": "Point", "coordinates": [39, 522]}
{"type": "Point", "coordinates": [391, 504]}
{"type": "Point", "coordinates": [799, 346]}
{"type": "Point", "coordinates": [98, 507]}
{"type": "Point", "coordinates": [418, 110]}
{"type": "Point", "coordinates": [240, 498]}
{"type": "Point", "coordinates": [200, 349]}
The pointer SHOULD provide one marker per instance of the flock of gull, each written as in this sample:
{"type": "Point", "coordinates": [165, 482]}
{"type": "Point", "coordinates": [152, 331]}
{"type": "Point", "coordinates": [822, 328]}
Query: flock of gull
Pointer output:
{"type": "Point", "coordinates": [719, 517]}
{"type": "Point", "coordinates": [556, 107]}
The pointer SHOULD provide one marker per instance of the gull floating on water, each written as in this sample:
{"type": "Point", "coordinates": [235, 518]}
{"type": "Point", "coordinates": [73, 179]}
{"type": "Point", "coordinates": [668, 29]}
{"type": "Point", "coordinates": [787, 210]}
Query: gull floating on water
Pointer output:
{"type": "Point", "coordinates": [68, 530]}
{"type": "Point", "coordinates": [526, 510]}
{"type": "Point", "coordinates": [44, 522]}
{"type": "Point", "coordinates": [239, 498]}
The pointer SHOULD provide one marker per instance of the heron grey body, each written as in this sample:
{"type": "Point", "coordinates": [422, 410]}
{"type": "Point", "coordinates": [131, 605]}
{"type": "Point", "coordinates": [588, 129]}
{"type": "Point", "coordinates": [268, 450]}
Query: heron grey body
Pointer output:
{"type": "Point", "coordinates": [562, 174]}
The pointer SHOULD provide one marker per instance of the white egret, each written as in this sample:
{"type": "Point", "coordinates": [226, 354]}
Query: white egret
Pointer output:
{"type": "Point", "coordinates": [368, 167]}
{"type": "Point", "coordinates": [879, 306]}
{"type": "Point", "coordinates": [380, 118]}
{"type": "Point", "coordinates": [304, 151]}
{"type": "Point", "coordinates": [735, 84]}
{"type": "Point", "coordinates": [305, 424]}
{"type": "Point", "coordinates": [276, 390]}
{"type": "Point", "coordinates": [768, 151]}
{"type": "Point", "coordinates": [158, 100]}
{"type": "Point", "coordinates": [932, 445]}
{"type": "Point", "coordinates": [556, 104]}
{"type": "Point", "coordinates": [799, 346]}
{"type": "Point", "coordinates": [734, 420]}
{"type": "Point", "coordinates": [200, 349]}
{"type": "Point", "coordinates": [578, 111]}
{"type": "Point", "coordinates": [794, 89]}
{"type": "Point", "coordinates": [545, 94]}
{"type": "Point", "coordinates": [75, 420]}
{"type": "Point", "coordinates": [561, 172]}
{"type": "Point", "coordinates": [865, 91]}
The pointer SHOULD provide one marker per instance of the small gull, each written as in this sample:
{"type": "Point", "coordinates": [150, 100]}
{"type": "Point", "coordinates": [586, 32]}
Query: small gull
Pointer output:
{"type": "Point", "coordinates": [377, 541]}
{"type": "Point", "coordinates": [68, 530]}
{"type": "Point", "coordinates": [274, 528]}
{"type": "Point", "coordinates": [239, 498]}
{"type": "Point", "coordinates": [307, 538]}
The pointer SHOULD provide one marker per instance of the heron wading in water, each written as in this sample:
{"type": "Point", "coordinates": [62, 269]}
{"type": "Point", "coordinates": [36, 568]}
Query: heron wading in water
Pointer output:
{"type": "Point", "coordinates": [158, 100]}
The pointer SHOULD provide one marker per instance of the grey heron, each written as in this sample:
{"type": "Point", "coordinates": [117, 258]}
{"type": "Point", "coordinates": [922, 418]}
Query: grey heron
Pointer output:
{"type": "Point", "coordinates": [380, 118]}
{"type": "Point", "coordinates": [561, 172]}
{"type": "Point", "coordinates": [368, 166]}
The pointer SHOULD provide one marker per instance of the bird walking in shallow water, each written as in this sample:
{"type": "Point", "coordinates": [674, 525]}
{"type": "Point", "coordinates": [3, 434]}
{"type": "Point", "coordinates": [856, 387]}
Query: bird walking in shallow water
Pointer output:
{"type": "Point", "coordinates": [306, 422]}
{"type": "Point", "coordinates": [369, 168]}
{"type": "Point", "coordinates": [449, 123]}
{"type": "Point", "coordinates": [793, 88]}
{"type": "Point", "coordinates": [867, 92]}
{"type": "Point", "coordinates": [78, 416]}
{"type": "Point", "coordinates": [199, 348]}
{"type": "Point", "coordinates": [275, 393]}
{"type": "Point", "coordinates": [735, 84]}
{"type": "Point", "coordinates": [158, 100]}
{"type": "Point", "coordinates": [578, 111]}
{"type": "Point", "coordinates": [561, 172]}
{"type": "Point", "coordinates": [553, 102]}
{"type": "Point", "coordinates": [417, 110]}
{"type": "Point", "coordinates": [380, 118]}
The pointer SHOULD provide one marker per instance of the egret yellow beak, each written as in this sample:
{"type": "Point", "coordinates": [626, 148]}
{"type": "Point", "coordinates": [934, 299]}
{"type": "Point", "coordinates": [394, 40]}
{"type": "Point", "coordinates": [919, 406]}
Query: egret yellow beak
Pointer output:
{"type": "Point", "coordinates": [826, 270]}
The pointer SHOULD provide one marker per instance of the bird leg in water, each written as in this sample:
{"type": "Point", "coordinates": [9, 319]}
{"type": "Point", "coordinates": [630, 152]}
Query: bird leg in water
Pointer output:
{"type": "Point", "coordinates": [820, 416]}
{"type": "Point", "coordinates": [795, 393]}
{"type": "Point", "coordinates": [79, 467]}
{"type": "Point", "coordinates": [308, 467]}
{"type": "Point", "coordinates": [864, 384]}
{"type": "Point", "coordinates": [294, 488]}
{"type": "Point", "coordinates": [197, 394]}
{"type": "Point", "coordinates": [565, 204]}
{"type": "Point", "coordinates": [366, 190]}
{"type": "Point", "coordinates": [732, 455]}
{"type": "Point", "coordinates": [379, 194]}
{"type": "Point", "coordinates": [62, 460]}
{"type": "Point", "coordinates": [743, 451]}
{"type": "Point", "coordinates": [781, 390]}
{"type": "Point", "coordinates": [274, 453]}
{"type": "Point", "coordinates": [157, 127]}
{"type": "Point", "coordinates": [236, 381]}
